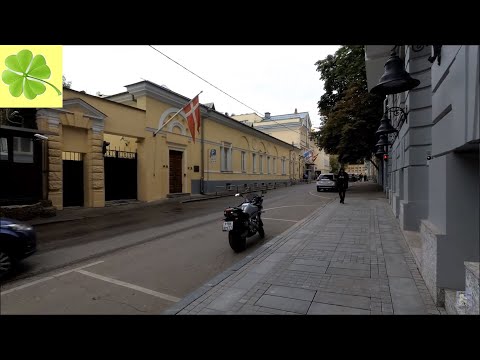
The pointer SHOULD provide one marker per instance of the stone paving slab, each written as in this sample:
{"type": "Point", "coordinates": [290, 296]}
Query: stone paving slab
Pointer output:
{"type": "Point", "coordinates": [353, 301]}
{"type": "Point", "coordinates": [291, 292]}
{"type": "Point", "coordinates": [326, 309]}
{"type": "Point", "coordinates": [283, 303]}
{"type": "Point", "coordinates": [342, 259]}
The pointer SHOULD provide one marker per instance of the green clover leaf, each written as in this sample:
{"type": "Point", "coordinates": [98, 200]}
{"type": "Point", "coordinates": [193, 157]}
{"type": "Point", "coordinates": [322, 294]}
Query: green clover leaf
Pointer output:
{"type": "Point", "coordinates": [25, 74]}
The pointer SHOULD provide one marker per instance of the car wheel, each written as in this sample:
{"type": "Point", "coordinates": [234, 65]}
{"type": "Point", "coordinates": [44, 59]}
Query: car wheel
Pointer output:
{"type": "Point", "coordinates": [6, 263]}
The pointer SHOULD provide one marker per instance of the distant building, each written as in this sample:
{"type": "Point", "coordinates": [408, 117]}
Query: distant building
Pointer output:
{"type": "Point", "coordinates": [295, 129]}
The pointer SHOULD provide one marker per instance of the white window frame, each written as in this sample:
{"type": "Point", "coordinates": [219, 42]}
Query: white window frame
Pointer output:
{"type": "Point", "coordinates": [254, 163]}
{"type": "Point", "coordinates": [226, 157]}
{"type": "Point", "coordinates": [243, 160]}
{"type": "Point", "coordinates": [260, 164]}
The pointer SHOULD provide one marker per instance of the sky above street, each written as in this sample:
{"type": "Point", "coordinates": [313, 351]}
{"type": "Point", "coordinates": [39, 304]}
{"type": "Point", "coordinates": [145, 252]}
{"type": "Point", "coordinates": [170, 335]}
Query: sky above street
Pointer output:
{"type": "Point", "coordinates": [266, 78]}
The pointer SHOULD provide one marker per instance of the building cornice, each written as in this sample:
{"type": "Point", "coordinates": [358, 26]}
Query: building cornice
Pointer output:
{"type": "Point", "coordinates": [149, 89]}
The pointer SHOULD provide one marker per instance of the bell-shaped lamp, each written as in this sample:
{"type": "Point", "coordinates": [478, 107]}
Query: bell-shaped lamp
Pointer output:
{"type": "Point", "coordinates": [385, 126]}
{"type": "Point", "coordinates": [395, 78]}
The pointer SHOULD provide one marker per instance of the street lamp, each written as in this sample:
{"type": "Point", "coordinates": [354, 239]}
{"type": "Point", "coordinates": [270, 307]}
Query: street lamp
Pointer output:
{"type": "Point", "coordinates": [396, 79]}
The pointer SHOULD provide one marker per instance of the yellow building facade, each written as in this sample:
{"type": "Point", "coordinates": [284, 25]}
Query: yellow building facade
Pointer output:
{"type": "Point", "coordinates": [293, 129]}
{"type": "Point", "coordinates": [355, 169]}
{"type": "Point", "coordinates": [84, 171]}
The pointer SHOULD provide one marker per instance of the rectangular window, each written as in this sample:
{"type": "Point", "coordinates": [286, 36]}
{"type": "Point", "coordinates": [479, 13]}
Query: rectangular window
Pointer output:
{"type": "Point", "coordinates": [283, 166]}
{"type": "Point", "coordinates": [268, 164]}
{"type": "Point", "coordinates": [22, 150]}
{"type": "Point", "coordinates": [260, 164]}
{"type": "Point", "coordinates": [3, 149]}
{"type": "Point", "coordinates": [274, 165]}
{"type": "Point", "coordinates": [244, 161]}
{"type": "Point", "coordinates": [254, 163]}
{"type": "Point", "coordinates": [226, 157]}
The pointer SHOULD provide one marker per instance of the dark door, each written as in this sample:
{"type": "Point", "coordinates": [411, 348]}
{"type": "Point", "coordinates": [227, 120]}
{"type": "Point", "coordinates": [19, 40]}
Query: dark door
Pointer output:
{"type": "Point", "coordinates": [175, 167]}
{"type": "Point", "coordinates": [72, 179]}
{"type": "Point", "coordinates": [120, 175]}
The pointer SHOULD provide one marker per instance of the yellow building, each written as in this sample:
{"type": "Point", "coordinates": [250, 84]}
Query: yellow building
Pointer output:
{"type": "Point", "coordinates": [355, 169]}
{"type": "Point", "coordinates": [84, 171]}
{"type": "Point", "coordinates": [294, 129]}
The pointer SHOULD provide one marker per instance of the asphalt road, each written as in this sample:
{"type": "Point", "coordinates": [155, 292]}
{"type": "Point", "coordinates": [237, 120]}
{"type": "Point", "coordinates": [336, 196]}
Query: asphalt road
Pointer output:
{"type": "Point", "coordinates": [143, 260]}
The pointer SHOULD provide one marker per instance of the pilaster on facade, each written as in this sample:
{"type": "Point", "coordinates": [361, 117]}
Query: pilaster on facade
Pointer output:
{"type": "Point", "coordinates": [49, 120]}
{"type": "Point", "coordinates": [94, 166]}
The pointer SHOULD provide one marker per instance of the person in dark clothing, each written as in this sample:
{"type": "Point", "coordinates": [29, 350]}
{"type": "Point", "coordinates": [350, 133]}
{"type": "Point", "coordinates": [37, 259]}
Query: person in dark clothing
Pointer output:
{"type": "Point", "coordinates": [365, 177]}
{"type": "Point", "coordinates": [342, 184]}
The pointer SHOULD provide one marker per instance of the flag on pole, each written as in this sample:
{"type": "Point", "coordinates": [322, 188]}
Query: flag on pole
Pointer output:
{"type": "Point", "coordinates": [192, 113]}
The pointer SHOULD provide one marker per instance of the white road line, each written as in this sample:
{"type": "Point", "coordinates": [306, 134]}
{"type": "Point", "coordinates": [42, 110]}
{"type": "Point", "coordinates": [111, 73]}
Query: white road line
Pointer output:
{"type": "Point", "coordinates": [323, 197]}
{"type": "Point", "coordinates": [79, 268]}
{"type": "Point", "coordinates": [264, 218]}
{"type": "Point", "coordinates": [131, 286]}
{"type": "Point", "coordinates": [26, 285]}
{"type": "Point", "coordinates": [279, 207]}
{"type": "Point", "coordinates": [47, 278]}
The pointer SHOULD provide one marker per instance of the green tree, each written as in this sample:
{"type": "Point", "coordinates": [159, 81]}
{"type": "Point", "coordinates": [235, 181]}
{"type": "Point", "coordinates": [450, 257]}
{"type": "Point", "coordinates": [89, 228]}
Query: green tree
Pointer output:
{"type": "Point", "coordinates": [334, 164]}
{"type": "Point", "coordinates": [350, 115]}
{"type": "Point", "coordinates": [67, 84]}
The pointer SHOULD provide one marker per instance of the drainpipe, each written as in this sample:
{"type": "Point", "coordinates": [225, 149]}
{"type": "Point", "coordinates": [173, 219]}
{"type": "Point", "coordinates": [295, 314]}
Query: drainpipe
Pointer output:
{"type": "Point", "coordinates": [202, 151]}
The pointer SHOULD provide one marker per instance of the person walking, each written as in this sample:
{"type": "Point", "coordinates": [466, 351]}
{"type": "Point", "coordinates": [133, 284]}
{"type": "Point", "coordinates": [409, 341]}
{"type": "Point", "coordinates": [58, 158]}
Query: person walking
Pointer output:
{"type": "Point", "coordinates": [342, 184]}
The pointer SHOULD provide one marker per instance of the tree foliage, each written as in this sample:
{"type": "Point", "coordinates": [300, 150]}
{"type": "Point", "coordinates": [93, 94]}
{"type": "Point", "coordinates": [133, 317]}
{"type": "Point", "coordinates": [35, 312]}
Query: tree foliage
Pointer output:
{"type": "Point", "coordinates": [350, 115]}
{"type": "Point", "coordinates": [67, 84]}
{"type": "Point", "coordinates": [334, 165]}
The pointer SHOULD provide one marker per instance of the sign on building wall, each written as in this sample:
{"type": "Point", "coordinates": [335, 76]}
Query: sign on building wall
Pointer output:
{"type": "Point", "coordinates": [213, 155]}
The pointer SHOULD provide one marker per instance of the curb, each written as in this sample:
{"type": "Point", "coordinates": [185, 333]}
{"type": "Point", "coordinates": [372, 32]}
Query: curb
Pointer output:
{"type": "Point", "coordinates": [194, 295]}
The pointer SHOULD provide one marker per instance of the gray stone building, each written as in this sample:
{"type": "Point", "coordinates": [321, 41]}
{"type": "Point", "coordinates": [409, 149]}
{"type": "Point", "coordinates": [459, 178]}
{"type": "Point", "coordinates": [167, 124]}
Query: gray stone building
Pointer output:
{"type": "Point", "coordinates": [432, 175]}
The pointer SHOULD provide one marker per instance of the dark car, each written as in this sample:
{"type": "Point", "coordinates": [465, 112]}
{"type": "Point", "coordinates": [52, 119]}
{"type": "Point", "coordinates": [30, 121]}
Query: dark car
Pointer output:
{"type": "Point", "coordinates": [17, 241]}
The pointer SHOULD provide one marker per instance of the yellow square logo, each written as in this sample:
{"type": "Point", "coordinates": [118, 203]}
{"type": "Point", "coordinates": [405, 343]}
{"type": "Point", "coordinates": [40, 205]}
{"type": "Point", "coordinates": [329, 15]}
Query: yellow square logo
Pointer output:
{"type": "Point", "coordinates": [31, 76]}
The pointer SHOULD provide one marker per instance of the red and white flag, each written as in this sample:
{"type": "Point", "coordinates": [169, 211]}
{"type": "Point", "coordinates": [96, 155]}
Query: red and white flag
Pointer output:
{"type": "Point", "coordinates": [192, 112]}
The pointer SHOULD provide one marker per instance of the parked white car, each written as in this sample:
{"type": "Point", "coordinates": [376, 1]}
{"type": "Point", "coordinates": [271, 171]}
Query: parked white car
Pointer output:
{"type": "Point", "coordinates": [326, 182]}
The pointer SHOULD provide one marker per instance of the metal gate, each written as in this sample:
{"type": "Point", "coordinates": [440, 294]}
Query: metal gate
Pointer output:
{"type": "Point", "coordinates": [72, 179]}
{"type": "Point", "coordinates": [120, 175]}
{"type": "Point", "coordinates": [175, 173]}
{"type": "Point", "coordinates": [20, 168]}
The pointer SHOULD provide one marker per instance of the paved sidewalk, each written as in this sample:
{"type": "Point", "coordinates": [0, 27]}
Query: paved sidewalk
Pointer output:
{"type": "Point", "coordinates": [347, 258]}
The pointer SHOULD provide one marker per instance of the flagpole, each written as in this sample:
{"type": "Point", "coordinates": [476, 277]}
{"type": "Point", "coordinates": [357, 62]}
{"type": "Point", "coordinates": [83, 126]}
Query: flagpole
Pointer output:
{"type": "Point", "coordinates": [178, 112]}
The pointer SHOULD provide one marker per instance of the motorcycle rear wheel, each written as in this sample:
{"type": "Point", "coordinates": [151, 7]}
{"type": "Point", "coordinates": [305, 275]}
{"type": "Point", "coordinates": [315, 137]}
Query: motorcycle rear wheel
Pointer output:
{"type": "Point", "coordinates": [237, 242]}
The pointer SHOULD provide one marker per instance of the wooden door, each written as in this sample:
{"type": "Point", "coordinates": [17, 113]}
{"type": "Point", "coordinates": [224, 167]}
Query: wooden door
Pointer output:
{"type": "Point", "coordinates": [176, 173]}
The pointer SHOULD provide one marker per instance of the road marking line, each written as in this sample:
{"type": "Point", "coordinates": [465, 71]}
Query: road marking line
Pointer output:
{"type": "Point", "coordinates": [323, 197]}
{"type": "Point", "coordinates": [131, 286]}
{"type": "Point", "coordinates": [264, 218]}
{"type": "Point", "coordinates": [279, 207]}
{"type": "Point", "coordinates": [26, 285]}
{"type": "Point", "coordinates": [79, 268]}
{"type": "Point", "coordinates": [47, 278]}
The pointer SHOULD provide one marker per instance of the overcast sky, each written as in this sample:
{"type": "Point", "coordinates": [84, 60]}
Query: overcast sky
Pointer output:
{"type": "Point", "coordinates": [267, 78]}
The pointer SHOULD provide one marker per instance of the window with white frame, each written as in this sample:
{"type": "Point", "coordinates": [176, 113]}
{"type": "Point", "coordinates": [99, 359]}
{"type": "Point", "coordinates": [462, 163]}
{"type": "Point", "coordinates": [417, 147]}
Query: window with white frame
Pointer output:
{"type": "Point", "coordinates": [260, 163]}
{"type": "Point", "coordinates": [254, 163]}
{"type": "Point", "coordinates": [268, 164]}
{"type": "Point", "coordinates": [244, 161]}
{"type": "Point", "coordinates": [226, 156]}
{"type": "Point", "coordinates": [22, 150]}
{"type": "Point", "coordinates": [283, 166]}
{"type": "Point", "coordinates": [274, 165]}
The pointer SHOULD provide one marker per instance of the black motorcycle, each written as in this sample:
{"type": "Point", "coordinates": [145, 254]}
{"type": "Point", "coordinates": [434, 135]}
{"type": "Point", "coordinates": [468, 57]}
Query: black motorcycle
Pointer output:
{"type": "Point", "coordinates": [243, 221]}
